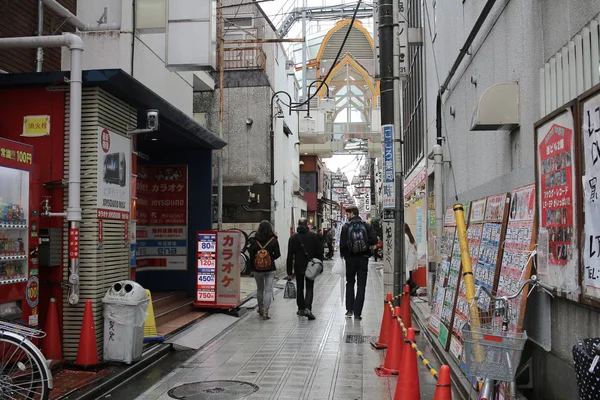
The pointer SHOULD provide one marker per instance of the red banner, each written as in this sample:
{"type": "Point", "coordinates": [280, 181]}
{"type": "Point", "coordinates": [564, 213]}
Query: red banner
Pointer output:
{"type": "Point", "coordinates": [16, 155]}
{"type": "Point", "coordinates": [73, 243]}
{"type": "Point", "coordinates": [100, 231]}
{"type": "Point", "coordinates": [556, 181]}
{"type": "Point", "coordinates": [111, 214]}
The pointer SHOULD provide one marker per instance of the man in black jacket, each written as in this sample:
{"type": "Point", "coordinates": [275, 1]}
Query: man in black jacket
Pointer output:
{"type": "Point", "coordinates": [357, 261]}
{"type": "Point", "coordinates": [302, 247]}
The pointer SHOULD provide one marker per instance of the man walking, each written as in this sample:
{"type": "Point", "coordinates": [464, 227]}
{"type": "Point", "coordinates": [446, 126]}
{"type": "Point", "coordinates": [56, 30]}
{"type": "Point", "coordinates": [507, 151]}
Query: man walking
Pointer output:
{"type": "Point", "coordinates": [356, 240]}
{"type": "Point", "coordinates": [302, 247]}
{"type": "Point", "coordinates": [330, 238]}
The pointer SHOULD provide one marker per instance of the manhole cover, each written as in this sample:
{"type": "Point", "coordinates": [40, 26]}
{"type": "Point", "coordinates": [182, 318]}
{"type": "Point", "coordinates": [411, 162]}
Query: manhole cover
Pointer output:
{"type": "Point", "coordinates": [213, 390]}
{"type": "Point", "coordinates": [361, 339]}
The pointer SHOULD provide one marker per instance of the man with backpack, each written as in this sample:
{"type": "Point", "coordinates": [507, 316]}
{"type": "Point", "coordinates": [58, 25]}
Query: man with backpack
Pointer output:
{"type": "Point", "coordinates": [356, 240]}
{"type": "Point", "coordinates": [302, 247]}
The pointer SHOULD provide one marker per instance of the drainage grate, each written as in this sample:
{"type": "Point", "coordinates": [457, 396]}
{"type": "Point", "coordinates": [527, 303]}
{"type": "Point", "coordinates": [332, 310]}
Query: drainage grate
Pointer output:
{"type": "Point", "coordinates": [361, 339]}
{"type": "Point", "coordinates": [213, 390]}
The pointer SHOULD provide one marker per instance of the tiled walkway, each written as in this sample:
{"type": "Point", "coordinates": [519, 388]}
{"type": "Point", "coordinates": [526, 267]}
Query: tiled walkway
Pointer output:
{"type": "Point", "coordinates": [289, 357]}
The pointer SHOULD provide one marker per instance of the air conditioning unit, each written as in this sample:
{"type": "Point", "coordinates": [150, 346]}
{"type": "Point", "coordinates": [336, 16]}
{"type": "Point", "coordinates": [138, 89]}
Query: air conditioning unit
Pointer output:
{"type": "Point", "coordinates": [298, 191]}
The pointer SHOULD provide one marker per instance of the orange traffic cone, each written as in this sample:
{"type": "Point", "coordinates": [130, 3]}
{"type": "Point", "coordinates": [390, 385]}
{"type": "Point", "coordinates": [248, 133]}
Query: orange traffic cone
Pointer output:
{"type": "Point", "coordinates": [408, 387]}
{"type": "Point", "coordinates": [405, 307]}
{"type": "Point", "coordinates": [443, 390]}
{"type": "Point", "coordinates": [87, 352]}
{"type": "Point", "coordinates": [393, 356]}
{"type": "Point", "coordinates": [51, 347]}
{"type": "Point", "coordinates": [386, 320]}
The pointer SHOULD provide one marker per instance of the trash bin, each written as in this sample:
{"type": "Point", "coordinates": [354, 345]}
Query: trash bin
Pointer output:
{"type": "Point", "coordinates": [125, 306]}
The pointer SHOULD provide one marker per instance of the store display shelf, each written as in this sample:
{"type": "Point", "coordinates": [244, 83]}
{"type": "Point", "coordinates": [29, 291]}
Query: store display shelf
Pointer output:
{"type": "Point", "coordinates": [13, 258]}
{"type": "Point", "coordinates": [8, 225]}
{"type": "Point", "coordinates": [12, 280]}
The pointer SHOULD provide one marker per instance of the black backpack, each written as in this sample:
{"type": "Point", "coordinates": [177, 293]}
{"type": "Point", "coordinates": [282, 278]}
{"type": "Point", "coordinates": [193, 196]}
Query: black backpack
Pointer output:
{"type": "Point", "coordinates": [358, 237]}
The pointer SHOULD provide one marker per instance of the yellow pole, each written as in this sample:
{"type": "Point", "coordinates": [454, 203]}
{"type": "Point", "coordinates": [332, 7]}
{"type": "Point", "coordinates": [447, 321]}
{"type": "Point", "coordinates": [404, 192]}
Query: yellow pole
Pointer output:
{"type": "Point", "coordinates": [467, 271]}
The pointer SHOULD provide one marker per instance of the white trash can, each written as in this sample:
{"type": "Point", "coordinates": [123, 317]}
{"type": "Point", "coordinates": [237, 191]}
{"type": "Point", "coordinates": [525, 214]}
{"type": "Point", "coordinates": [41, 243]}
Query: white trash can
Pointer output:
{"type": "Point", "coordinates": [125, 306]}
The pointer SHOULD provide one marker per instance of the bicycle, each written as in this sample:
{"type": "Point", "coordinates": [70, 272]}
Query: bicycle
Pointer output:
{"type": "Point", "coordinates": [495, 355]}
{"type": "Point", "coordinates": [24, 371]}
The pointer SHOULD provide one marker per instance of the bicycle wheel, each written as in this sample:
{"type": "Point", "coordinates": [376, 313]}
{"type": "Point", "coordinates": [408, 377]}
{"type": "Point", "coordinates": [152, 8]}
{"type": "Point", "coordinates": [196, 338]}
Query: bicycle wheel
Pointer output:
{"type": "Point", "coordinates": [23, 374]}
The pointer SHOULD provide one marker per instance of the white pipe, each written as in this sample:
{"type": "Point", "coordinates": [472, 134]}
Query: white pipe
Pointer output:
{"type": "Point", "coordinates": [39, 57]}
{"type": "Point", "coordinates": [438, 170]}
{"type": "Point", "coordinates": [76, 22]}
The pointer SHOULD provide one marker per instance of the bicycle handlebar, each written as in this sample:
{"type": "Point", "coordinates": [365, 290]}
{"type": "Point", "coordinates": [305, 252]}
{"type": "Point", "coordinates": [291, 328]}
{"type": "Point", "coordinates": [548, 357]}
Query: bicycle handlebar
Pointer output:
{"type": "Point", "coordinates": [534, 280]}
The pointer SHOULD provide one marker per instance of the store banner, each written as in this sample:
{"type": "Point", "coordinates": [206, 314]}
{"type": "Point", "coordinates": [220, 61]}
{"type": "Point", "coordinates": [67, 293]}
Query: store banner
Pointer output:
{"type": "Point", "coordinates": [161, 214]}
{"type": "Point", "coordinates": [114, 175]}
{"type": "Point", "coordinates": [389, 166]}
{"type": "Point", "coordinates": [591, 201]}
{"type": "Point", "coordinates": [16, 155]}
{"type": "Point", "coordinates": [228, 264]}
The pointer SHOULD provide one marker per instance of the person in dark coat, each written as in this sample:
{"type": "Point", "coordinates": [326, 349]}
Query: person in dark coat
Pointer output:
{"type": "Point", "coordinates": [302, 247]}
{"type": "Point", "coordinates": [357, 265]}
{"type": "Point", "coordinates": [265, 238]}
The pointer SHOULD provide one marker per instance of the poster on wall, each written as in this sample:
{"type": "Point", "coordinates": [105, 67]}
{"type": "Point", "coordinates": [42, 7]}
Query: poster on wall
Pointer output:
{"type": "Point", "coordinates": [518, 247]}
{"type": "Point", "coordinates": [114, 175]}
{"type": "Point", "coordinates": [591, 202]}
{"type": "Point", "coordinates": [557, 227]}
{"type": "Point", "coordinates": [161, 212]}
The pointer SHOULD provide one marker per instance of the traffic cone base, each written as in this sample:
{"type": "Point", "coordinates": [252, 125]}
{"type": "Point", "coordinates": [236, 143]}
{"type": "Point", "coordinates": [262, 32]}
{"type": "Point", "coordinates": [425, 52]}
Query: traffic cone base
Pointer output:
{"type": "Point", "coordinates": [51, 345]}
{"type": "Point", "coordinates": [386, 320]}
{"type": "Point", "coordinates": [87, 352]}
{"type": "Point", "coordinates": [391, 365]}
{"type": "Point", "coordinates": [408, 387]}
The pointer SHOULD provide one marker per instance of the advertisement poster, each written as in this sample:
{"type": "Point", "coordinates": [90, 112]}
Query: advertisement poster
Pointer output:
{"type": "Point", "coordinates": [389, 166]}
{"type": "Point", "coordinates": [161, 213]}
{"type": "Point", "coordinates": [206, 259]}
{"type": "Point", "coordinates": [518, 245]}
{"type": "Point", "coordinates": [558, 258]}
{"type": "Point", "coordinates": [591, 201]}
{"type": "Point", "coordinates": [114, 175]}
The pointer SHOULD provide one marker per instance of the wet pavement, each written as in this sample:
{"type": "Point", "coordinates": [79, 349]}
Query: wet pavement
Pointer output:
{"type": "Point", "coordinates": [286, 357]}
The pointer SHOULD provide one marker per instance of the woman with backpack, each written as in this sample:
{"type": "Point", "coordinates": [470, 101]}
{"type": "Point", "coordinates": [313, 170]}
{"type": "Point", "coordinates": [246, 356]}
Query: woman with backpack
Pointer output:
{"type": "Point", "coordinates": [264, 250]}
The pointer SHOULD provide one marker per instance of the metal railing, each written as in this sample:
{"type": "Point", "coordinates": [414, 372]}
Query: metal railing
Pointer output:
{"type": "Point", "coordinates": [244, 58]}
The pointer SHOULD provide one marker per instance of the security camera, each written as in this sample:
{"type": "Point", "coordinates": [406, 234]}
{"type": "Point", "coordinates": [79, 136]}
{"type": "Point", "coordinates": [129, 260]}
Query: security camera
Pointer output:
{"type": "Point", "coordinates": [152, 119]}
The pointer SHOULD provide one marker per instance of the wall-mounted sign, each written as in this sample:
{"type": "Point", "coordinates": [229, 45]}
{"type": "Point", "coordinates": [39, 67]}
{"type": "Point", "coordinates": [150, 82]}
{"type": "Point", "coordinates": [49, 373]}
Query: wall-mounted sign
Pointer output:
{"type": "Point", "coordinates": [389, 166]}
{"type": "Point", "coordinates": [36, 125]}
{"type": "Point", "coordinates": [114, 175]}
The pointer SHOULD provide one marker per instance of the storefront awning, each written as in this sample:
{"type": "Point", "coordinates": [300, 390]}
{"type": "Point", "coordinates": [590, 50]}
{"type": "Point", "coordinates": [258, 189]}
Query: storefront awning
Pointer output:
{"type": "Point", "coordinates": [130, 90]}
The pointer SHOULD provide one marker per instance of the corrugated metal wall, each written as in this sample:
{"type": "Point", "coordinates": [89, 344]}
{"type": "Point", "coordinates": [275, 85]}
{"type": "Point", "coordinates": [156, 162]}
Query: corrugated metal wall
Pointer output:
{"type": "Point", "coordinates": [19, 18]}
{"type": "Point", "coordinates": [99, 267]}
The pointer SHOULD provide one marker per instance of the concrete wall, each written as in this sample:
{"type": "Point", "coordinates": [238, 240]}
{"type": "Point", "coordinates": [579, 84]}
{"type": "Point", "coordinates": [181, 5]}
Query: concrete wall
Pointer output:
{"type": "Point", "coordinates": [514, 42]}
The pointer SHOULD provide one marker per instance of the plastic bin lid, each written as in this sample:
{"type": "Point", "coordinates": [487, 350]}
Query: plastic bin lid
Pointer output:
{"type": "Point", "coordinates": [126, 293]}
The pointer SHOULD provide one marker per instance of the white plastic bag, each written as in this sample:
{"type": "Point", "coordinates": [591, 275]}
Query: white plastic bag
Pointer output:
{"type": "Point", "coordinates": [339, 267]}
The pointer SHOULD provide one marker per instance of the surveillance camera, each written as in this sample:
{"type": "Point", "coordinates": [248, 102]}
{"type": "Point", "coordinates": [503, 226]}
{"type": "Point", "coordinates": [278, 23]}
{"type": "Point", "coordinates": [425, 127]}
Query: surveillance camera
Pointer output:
{"type": "Point", "coordinates": [152, 119]}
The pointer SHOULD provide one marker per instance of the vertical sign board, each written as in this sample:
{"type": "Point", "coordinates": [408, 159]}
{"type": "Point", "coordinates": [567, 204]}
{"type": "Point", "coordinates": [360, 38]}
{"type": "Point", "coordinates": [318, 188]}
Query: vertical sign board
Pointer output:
{"type": "Point", "coordinates": [461, 312]}
{"type": "Point", "coordinates": [490, 250]}
{"type": "Point", "coordinates": [439, 287]}
{"type": "Point", "coordinates": [161, 214]}
{"type": "Point", "coordinates": [218, 265]}
{"type": "Point", "coordinates": [451, 288]}
{"type": "Point", "coordinates": [389, 166]}
{"type": "Point", "coordinates": [558, 260]}
{"type": "Point", "coordinates": [519, 243]}
{"type": "Point", "coordinates": [114, 175]}
{"type": "Point", "coordinates": [591, 202]}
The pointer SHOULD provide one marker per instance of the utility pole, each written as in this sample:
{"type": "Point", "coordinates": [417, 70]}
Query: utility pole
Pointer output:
{"type": "Point", "coordinates": [390, 115]}
{"type": "Point", "coordinates": [304, 94]}
{"type": "Point", "coordinates": [221, 43]}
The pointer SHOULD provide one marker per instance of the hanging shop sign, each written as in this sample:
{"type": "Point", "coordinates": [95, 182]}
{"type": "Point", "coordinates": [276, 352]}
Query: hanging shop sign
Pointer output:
{"type": "Point", "coordinates": [591, 200]}
{"type": "Point", "coordinates": [389, 166]}
{"type": "Point", "coordinates": [557, 248]}
{"type": "Point", "coordinates": [415, 181]}
{"type": "Point", "coordinates": [161, 214]}
{"type": "Point", "coordinates": [114, 175]}
{"type": "Point", "coordinates": [16, 155]}
{"type": "Point", "coordinates": [36, 125]}
{"type": "Point", "coordinates": [218, 265]}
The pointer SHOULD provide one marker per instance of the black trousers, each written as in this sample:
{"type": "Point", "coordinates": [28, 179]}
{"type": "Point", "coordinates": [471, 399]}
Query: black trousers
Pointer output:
{"type": "Point", "coordinates": [330, 248]}
{"type": "Point", "coordinates": [304, 300]}
{"type": "Point", "coordinates": [357, 268]}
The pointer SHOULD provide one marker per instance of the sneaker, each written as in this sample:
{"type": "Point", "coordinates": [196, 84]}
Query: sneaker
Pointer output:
{"type": "Point", "coordinates": [309, 314]}
{"type": "Point", "coordinates": [358, 318]}
{"type": "Point", "coordinates": [348, 314]}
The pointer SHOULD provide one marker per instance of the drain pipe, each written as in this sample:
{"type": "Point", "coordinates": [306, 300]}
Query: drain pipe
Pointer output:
{"type": "Point", "coordinates": [76, 22]}
{"type": "Point", "coordinates": [75, 45]}
{"type": "Point", "coordinates": [39, 56]}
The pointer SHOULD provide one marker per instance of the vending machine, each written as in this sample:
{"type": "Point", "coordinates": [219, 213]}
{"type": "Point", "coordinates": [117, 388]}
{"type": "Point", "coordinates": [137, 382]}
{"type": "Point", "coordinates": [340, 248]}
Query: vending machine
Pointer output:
{"type": "Point", "coordinates": [19, 283]}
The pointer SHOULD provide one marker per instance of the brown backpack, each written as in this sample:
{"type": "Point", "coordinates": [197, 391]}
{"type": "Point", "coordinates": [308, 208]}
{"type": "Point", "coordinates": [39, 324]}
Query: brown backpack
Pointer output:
{"type": "Point", "coordinates": [262, 259]}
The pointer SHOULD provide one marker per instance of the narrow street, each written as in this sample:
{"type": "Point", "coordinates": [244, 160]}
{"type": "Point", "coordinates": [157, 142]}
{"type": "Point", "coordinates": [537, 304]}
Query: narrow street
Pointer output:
{"type": "Point", "coordinates": [287, 357]}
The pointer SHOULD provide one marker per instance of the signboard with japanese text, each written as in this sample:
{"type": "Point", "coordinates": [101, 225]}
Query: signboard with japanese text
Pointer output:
{"type": "Point", "coordinates": [161, 213]}
{"type": "Point", "coordinates": [16, 155]}
{"type": "Point", "coordinates": [558, 256]}
{"type": "Point", "coordinates": [591, 201]}
{"type": "Point", "coordinates": [389, 166]}
{"type": "Point", "coordinates": [36, 125]}
{"type": "Point", "coordinates": [218, 265]}
{"type": "Point", "coordinates": [402, 40]}
{"type": "Point", "coordinates": [114, 175]}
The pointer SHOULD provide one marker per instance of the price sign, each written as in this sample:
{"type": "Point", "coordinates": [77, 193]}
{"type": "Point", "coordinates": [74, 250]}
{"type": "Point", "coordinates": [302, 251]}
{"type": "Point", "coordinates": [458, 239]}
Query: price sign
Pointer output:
{"type": "Point", "coordinates": [206, 264]}
{"type": "Point", "coordinates": [203, 279]}
{"type": "Point", "coordinates": [205, 296]}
